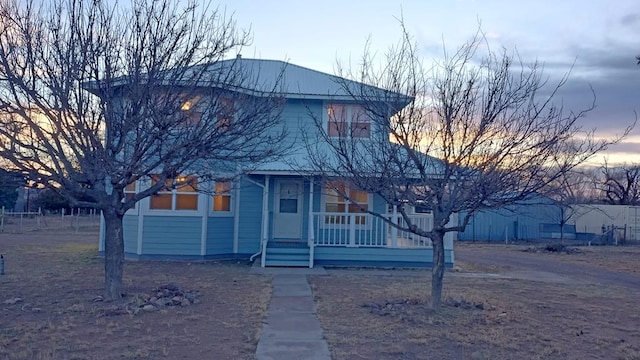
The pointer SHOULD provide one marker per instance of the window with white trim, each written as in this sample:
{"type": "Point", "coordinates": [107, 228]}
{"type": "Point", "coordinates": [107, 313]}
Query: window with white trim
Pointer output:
{"type": "Point", "coordinates": [348, 121]}
{"type": "Point", "coordinates": [342, 198]}
{"type": "Point", "coordinates": [130, 191]}
{"type": "Point", "coordinates": [222, 197]}
{"type": "Point", "coordinates": [184, 196]}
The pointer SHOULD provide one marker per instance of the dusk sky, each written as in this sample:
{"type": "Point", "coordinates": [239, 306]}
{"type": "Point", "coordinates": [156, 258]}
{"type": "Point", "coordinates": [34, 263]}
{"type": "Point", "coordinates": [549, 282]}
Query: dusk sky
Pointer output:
{"type": "Point", "coordinates": [602, 37]}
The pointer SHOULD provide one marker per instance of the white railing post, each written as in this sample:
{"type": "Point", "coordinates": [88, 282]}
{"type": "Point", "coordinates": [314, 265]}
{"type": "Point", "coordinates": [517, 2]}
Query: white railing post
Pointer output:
{"type": "Point", "coordinates": [394, 230]}
{"type": "Point", "coordinates": [351, 219]}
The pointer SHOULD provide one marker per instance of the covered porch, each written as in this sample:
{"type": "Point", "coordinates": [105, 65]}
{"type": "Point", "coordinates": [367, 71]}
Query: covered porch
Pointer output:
{"type": "Point", "coordinates": [299, 231]}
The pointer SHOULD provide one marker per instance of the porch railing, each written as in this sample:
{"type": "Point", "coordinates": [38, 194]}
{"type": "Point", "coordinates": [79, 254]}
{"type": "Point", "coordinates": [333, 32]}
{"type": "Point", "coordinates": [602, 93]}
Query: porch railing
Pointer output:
{"type": "Point", "coordinates": [365, 230]}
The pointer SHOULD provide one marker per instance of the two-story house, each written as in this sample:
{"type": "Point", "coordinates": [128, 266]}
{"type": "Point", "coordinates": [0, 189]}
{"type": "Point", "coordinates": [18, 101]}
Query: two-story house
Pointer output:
{"type": "Point", "coordinates": [282, 212]}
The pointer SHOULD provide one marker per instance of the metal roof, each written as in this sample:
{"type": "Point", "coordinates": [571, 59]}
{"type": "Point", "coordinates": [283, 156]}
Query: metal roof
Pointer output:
{"type": "Point", "coordinates": [298, 161]}
{"type": "Point", "coordinates": [258, 76]}
{"type": "Point", "coordinates": [292, 81]}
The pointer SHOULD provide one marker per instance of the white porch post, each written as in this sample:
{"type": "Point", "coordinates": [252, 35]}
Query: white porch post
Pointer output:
{"type": "Point", "coordinates": [236, 217]}
{"type": "Point", "coordinates": [352, 229]}
{"type": "Point", "coordinates": [204, 226]}
{"type": "Point", "coordinates": [394, 230]}
{"type": "Point", "coordinates": [265, 220]}
{"type": "Point", "coordinates": [310, 226]}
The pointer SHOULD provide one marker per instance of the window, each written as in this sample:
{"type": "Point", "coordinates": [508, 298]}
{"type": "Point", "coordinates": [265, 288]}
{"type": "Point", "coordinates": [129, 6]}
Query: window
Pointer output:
{"type": "Point", "coordinates": [356, 201]}
{"type": "Point", "coordinates": [130, 192]}
{"type": "Point", "coordinates": [337, 124]}
{"type": "Point", "coordinates": [225, 112]}
{"type": "Point", "coordinates": [289, 196]}
{"type": "Point", "coordinates": [190, 116]}
{"type": "Point", "coordinates": [222, 196]}
{"type": "Point", "coordinates": [181, 197]}
{"type": "Point", "coordinates": [348, 121]}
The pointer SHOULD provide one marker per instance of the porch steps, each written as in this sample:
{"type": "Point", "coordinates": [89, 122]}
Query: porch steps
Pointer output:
{"type": "Point", "coordinates": [287, 255]}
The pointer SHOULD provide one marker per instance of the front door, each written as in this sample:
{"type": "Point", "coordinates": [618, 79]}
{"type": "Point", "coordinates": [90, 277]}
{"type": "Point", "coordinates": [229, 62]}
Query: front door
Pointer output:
{"type": "Point", "coordinates": [287, 219]}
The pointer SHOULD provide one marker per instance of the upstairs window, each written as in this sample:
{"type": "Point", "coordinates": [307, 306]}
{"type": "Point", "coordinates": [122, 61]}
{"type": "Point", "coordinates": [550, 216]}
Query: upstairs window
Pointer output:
{"type": "Point", "coordinates": [225, 112]}
{"type": "Point", "coordinates": [190, 116]}
{"type": "Point", "coordinates": [181, 197]}
{"type": "Point", "coordinates": [348, 121]}
{"type": "Point", "coordinates": [222, 197]}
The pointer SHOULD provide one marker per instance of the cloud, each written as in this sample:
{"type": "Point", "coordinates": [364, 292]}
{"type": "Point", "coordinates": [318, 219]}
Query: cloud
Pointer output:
{"type": "Point", "coordinates": [627, 147]}
{"type": "Point", "coordinates": [631, 20]}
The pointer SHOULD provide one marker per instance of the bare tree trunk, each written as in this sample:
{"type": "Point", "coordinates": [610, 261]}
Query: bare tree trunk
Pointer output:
{"type": "Point", "coordinates": [562, 222]}
{"type": "Point", "coordinates": [437, 271]}
{"type": "Point", "coordinates": [113, 254]}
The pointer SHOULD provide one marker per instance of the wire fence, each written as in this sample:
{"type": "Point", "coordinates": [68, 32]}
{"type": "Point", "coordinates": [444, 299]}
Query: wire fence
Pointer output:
{"type": "Point", "coordinates": [75, 220]}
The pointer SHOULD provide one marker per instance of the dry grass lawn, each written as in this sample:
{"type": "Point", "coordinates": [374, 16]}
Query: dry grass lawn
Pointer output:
{"type": "Point", "coordinates": [387, 317]}
{"type": "Point", "coordinates": [56, 276]}
{"type": "Point", "coordinates": [47, 308]}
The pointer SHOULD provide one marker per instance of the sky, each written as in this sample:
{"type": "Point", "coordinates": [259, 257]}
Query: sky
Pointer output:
{"type": "Point", "coordinates": [596, 39]}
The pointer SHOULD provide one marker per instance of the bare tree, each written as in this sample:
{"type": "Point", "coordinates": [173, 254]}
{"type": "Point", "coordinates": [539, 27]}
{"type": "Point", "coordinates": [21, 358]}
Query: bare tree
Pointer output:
{"type": "Point", "coordinates": [464, 136]}
{"type": "Point", "coordinates": [619, 185]}
{"type": "Point", "coordinates": [95, 97]}
{"type": "Point", "coordinates": [569, 189]}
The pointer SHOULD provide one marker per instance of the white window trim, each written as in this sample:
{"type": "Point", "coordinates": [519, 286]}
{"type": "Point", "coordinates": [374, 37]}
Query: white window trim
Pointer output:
{"type": "Point", "coordinates": [145, 205]}
{"type": "Point", "coordinates": [135, 210]}
{"type": "Point", "coordinates": [232, 197]}
{"type": "Point", "coordinates": [350, 107]}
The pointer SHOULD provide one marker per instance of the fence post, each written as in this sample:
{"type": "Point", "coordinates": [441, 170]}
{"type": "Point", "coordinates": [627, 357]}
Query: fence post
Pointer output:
{"type": "Point", "coordinates": [77, 219]}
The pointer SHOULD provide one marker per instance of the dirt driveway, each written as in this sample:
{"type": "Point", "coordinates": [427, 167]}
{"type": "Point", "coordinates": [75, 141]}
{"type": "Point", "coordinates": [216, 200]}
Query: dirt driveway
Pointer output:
{"type": "Point", "coordinates": [579, 265]}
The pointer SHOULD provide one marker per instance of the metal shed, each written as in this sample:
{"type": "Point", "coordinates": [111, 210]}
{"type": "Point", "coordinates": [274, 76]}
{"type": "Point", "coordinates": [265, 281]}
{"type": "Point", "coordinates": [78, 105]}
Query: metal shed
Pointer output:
{"type": "Point", "coordinates": [519, 222]}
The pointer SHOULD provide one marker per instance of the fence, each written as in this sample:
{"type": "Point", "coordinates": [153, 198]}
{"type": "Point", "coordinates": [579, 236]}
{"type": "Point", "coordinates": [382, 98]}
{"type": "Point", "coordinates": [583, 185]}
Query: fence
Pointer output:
{"type": "Point", "coordinates": [607, 224]}
{"type": "Point", "coordinates": [76, 220]}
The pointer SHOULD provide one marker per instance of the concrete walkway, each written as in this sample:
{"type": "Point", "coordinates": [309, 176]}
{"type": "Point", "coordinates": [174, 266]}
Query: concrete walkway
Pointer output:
{"type": "Point", "coordinates": [292, 330]}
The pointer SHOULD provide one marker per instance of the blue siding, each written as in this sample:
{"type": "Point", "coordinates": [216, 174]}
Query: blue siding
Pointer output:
{"type": "Point", "coordinates": [130, 224]}
{"type": "Point", "coordinates": [220, 235]}
{"type": "Point", "coordinates": [250, 217]}
{"type": "Point", "coordinates": [171, 235]}
{"type": "Point", "coordinates": [297, 119]}
{"type": "Point", "coordinates": [317, 195]}
{"type": "Point", "coordinates": [328, 255]}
